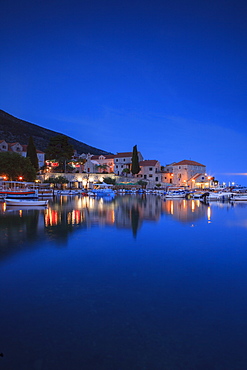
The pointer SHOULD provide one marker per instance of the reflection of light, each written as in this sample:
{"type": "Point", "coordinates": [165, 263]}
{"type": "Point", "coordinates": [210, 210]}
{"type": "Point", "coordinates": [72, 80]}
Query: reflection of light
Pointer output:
{"type": "Point", "coordinates": [51, 217]}
{"type": "Point", "coordinates": [184, 203]}
{"type": "Point", "coordinates": [192, 205]}
{"type": "Point", "coordinates": [209, 214]}
{"type": "Point", "coordinates": [172, 209]}
{"type": "Point", "coordinates": [20, 212]}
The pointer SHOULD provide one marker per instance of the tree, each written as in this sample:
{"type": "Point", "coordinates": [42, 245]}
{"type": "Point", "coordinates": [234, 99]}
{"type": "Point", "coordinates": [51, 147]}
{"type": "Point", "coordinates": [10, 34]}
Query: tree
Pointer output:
{"type": "Point", "coordinates": [14, 166]}
{"type": "Point", "coordinates": [32, 153]}
{"type": "Point", "coordinates": [59, 149]}
{"type": "Point", "coordinates": [126, 171]}
{"type": "Point", "coordinates": [109, 180]}
{"type": "Point", "coordinates": [135, 168]}
{"type": "Point", "coordinates": [102, 167]}
{"type": "Point", "coordinates": [142, 183]}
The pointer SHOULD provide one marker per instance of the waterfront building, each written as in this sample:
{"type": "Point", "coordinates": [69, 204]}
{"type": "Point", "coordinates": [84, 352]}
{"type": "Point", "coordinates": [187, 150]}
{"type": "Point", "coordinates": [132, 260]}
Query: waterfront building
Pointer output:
{"type": "Point", "coordinates": [105, 162]}
{"type": "Point", "coordinates": [150, 170]}
{"type": "Point", "coordinates": [123, 161]}
{"type": "Point", "coordinates": [184, 171]}
{"type": "Point", "coordinates": [22, 150]}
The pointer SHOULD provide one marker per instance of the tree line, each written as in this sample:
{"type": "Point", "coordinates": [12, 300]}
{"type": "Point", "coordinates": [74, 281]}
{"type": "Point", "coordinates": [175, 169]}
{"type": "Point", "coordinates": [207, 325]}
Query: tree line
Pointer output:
{"type": "Point", "coordinates": [14, 166]}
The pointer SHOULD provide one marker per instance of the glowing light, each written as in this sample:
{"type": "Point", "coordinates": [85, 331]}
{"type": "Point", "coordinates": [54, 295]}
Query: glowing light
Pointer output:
{"type": "Point", "coordinates": [193, 206]}
{"type": "Point", "coordinates": [172, 209]}
{"type": "Point", "coordinates": [209, 214]}
{"type": "Point", "coordinates": [20, 178]}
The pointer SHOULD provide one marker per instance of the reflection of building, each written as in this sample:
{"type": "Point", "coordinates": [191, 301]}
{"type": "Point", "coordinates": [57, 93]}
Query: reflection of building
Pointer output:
{"type": "Point", "coordinates": [185, 210]}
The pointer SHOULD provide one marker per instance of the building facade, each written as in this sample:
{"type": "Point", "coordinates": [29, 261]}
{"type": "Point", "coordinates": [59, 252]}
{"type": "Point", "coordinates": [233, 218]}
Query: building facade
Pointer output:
{"type": "Point", "coordinates": [184, 170]}
{"type": "Point", "coordinates": [123, 161]}
{"type": "Point", "coordinates": [22, 150]}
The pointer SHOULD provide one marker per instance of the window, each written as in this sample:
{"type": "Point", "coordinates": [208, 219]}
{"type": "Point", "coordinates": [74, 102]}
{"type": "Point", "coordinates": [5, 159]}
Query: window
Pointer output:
{"type": "Point", "coordinates": [145, 176]}
{"type": "Point", "coordinates": [116, 166]}
{"type": "Point", "coordinates": [116, 160]}
{"type": "Point", "coordinates": [156, 179]}
{"type": "Point", "coordinates": [124, 160]}
{"type": "Point", "coordinates": [150, 175]}
{"type": "Point", "coordinates": [121, 166]}
{"type": "Point", "coordinates": [150, 168]}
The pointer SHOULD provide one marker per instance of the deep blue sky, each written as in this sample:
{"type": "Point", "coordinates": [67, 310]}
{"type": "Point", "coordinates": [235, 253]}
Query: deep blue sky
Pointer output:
{"type": "Point", "coordinates": [169, 76]}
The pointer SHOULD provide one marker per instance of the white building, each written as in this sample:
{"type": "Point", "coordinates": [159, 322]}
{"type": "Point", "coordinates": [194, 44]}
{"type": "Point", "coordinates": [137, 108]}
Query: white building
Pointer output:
{"type": "Point", "coordinates": [124, 160]}
{"type": "Point", "coordinates": [184, 170]}
{"type": "Point", "coordinates": [21, 149]}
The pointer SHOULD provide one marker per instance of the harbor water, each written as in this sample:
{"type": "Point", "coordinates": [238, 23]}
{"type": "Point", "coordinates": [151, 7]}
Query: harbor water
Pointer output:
{"type": "Point", "coordinates": [130, 282]}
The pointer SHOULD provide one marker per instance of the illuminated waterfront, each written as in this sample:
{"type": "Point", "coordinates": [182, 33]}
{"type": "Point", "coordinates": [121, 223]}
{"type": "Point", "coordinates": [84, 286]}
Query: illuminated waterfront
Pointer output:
{"type": "Point", "coordinates": [130, 283]}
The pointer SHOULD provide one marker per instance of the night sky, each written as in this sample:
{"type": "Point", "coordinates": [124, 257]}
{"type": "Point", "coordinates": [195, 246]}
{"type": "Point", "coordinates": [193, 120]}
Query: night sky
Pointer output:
{"type": "Point", "coordinates": [169, 76]}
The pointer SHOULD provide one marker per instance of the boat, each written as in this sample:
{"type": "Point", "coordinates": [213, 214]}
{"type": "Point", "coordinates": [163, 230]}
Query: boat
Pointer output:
{"type": "Point", "coordinates": [102, 190]}
{"type": "Point", "coordinates": [239, 197]}
{"type": "Point", "coordinates": [176, 194]}
{"type": "Point", "coordinates": [199, 195]}
{"type": "Point", "coordinates": [66, 192]}
{"type": "Point", "coordinates": [29, 194]}
{"type": "Point", "coordinates": [102, 193]}
{"type": "Point", "coordinates": [222, 196]}
{"type": "Point", "coordinates": [25, 202]}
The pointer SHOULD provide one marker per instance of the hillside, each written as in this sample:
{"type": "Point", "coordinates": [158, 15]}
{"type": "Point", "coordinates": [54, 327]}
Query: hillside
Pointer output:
{"type": "Point", "coordinates": [13, 129]}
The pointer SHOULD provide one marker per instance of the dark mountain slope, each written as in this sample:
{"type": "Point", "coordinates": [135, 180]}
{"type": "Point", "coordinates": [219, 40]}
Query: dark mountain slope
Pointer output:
{"type": "Point", "coordinates": [13, 129]}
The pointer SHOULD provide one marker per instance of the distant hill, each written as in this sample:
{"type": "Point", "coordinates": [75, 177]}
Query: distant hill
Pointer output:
{"type": "Point", "coordinates": [13, 130]}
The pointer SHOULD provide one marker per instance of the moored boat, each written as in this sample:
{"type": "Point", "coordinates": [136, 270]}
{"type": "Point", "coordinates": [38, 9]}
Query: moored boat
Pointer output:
{"type": "Point", "coordinates": [239, 197]}
{"type": "Point", "coordinates": [175, 194]}
{"type": "Point", "coordinates": [29, 194]}
{"type": "Point", "coordinates": [222, 196]}
{"type": "Point", "coordinates": [25, 202]}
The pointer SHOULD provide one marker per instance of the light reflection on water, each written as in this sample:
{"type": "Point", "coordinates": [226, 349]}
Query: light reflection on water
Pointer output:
{"type": "Point", "coordinates": [126, 212]}
{"type": "Point", "coordinates": [142, 283]}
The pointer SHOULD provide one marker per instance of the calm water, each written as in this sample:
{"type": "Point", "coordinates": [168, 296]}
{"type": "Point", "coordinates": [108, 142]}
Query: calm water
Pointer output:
{"type": "Point", "coordinates": [133, 283]}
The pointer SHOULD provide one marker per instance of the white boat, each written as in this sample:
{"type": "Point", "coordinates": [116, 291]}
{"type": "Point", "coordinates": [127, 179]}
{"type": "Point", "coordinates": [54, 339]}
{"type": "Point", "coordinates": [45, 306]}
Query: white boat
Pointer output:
{"type": "Point", "coordinates": [25, 202]}
{"type": "Point", "coordinates": [222, 196]}
{"type": "Point", "coordinates": [239, 197]}
{"type": "Point", "coordinates": [66, 192]}
{"type": "Point", "coordinates": [175, 194]}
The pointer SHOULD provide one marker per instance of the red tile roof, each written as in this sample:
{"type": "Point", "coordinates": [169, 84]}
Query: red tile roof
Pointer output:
{"type": "Point", "coordinates": [107, 156]}
{"type": "Point", "coordinates": [151, 162]}
{"type": "Point", "coordinates": [124, 154]}
{"type": "Point", "coordinates": [188, 162]}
